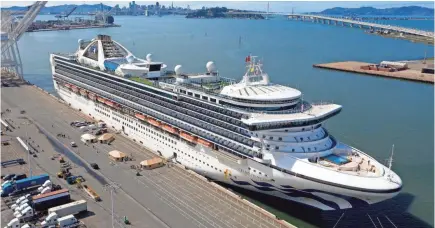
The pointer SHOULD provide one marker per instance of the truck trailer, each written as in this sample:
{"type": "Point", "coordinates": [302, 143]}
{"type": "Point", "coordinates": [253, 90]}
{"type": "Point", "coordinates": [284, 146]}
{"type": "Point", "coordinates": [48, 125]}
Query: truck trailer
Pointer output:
{"type": "Point", "coordinates": [20, 185]}
{"type": "Point", "coordinates": [70, 208]}
{"type": "Point", "coordinates": [51, 199]}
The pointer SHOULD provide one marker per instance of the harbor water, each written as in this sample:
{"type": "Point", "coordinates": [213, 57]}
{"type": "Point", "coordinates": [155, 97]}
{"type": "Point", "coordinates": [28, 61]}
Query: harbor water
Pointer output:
{"type": "Point", "coordinates": [377, 112]}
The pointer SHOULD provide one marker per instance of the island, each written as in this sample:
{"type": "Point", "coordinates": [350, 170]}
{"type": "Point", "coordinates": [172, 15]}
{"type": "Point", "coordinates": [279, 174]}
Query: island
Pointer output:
{"type": "Point", "coordinates": [223, 12]}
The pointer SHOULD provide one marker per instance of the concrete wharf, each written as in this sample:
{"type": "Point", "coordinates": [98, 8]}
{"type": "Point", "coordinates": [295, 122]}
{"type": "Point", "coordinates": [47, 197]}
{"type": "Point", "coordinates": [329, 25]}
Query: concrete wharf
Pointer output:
{"type": "Point", "coordinates": [170, 196]}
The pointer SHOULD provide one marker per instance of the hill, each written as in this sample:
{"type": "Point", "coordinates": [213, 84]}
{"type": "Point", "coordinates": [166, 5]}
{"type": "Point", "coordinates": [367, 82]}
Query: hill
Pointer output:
{"type": "Point", "coordinates": [371, 11]}
{"type": "Point", "coordinates": [85, 8]}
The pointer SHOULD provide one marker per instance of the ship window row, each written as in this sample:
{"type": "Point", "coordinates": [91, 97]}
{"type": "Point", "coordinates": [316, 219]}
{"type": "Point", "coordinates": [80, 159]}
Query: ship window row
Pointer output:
{"type": "Point", "coordinates": [140, 94]}
{"type": "Point", "coordinates": [217, 140]}
{"type": "Point", "coordinates": [217, 109]}
{"type": "Point", "coordinates": [116, 78]}
{"type": "Point", "coordinates": [204, 163]}
{"type": "Point", "coordinates": [270, 126]}
{"type": "Point", "coordinates": [169, 108]}
{"type": "Point", "coordinates": [221, 110]}
{"type": "Point", "coordinates": [280, 108]}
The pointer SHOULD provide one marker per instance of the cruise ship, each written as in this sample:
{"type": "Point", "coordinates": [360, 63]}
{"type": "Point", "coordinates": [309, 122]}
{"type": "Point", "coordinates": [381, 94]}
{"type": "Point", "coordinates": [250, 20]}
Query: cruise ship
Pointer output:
{"type": "Point", "coordinates": [251, 133]}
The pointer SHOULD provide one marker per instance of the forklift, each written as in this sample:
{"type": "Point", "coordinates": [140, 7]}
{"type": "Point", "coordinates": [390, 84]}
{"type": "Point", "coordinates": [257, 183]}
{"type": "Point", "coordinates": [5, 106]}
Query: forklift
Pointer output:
{"type": "Point", "coordinates": [64, 173]}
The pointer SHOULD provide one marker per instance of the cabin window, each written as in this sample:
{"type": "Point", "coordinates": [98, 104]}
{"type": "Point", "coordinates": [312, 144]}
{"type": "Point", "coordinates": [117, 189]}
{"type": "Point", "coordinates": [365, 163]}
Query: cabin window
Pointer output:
{"type": "Point", "coordinates": [277, 147]}
{"type": "Point", "coordinates": [197, 96]}
{"type": "Point", "coordinates": [189, 93]}
{"type": "Point", "coordinates": [155, 67]}
{"type": "Point", "coordinates": [270, 137]}
{"type": "Point", "coordinates": [213, 100]}
{"type": "Point", "coordinates": [293, 150]}
{"type": "Point", "coordinates": [204, 97]}
{"type": "Point", "coordinates": [280, 139]}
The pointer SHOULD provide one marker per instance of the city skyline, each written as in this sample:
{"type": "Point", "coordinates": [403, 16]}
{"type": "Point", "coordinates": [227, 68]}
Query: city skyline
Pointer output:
{"type": "Point", "coordinates": [243, 5]}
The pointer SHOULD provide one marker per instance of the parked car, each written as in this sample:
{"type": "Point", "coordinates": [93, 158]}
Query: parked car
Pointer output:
{"type": "Point", "coordinates": [95, 166]}
{"type": "Point", "coordinates": [73, 144]}
{"type": "Point", "coordinates": [101, 131]}
{"type": "Point", "coordinates": [19, 177]}
{"type": "Point", "coordinates": [92, 127]}
{"type": "Point", "coordinates": [9, 176]}
{"type": "Point", "coordinates": [81, 124]}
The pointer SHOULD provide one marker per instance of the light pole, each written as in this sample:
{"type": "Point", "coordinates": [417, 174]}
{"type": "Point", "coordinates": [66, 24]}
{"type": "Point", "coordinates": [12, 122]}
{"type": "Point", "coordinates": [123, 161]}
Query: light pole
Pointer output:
{"type": "Point", "coordinates": [28, 148]}
{"type": "Point", "coordinates": [113, 187]}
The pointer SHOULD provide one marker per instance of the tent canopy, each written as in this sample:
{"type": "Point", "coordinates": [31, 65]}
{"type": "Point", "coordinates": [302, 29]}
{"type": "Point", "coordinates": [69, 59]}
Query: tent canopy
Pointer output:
{"type": "Point", "coordinates": [151, 161]}
{"type": "Point", "coordinates": [88, 137]}
{"type": "Point", "coordinates": [106, 136]}
{"type": "Point", "coordinates": [117, 154]}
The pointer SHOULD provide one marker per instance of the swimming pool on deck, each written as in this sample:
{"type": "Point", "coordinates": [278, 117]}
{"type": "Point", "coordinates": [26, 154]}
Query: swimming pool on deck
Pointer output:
{"type": "Point", "coordinates": [338, 160]}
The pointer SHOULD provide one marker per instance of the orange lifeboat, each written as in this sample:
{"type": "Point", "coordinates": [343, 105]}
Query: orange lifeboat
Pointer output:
{"type": "Point", "coordinates": [170, 129]}
{"type": "Point", "coordinates": [68, 86]}
{"type": "Point", "coordinates": [205, 143]}
{"type": "Point", "coordinates": [153, 122]}
{"type": "Point", "coordinates": [188, 137]}
{"type": "Point", "coordinates": [109, 103]}
{"type": "Point", "coordinates": [92, 96]}
{"type": "Point", "coordinates": [75, 89]}
{"type": "Point", "coordinates": [83, 92]}
{"type": "Point", "coordinates": [100, 99]}
{"type": "Point", "coordinates": [140, 116]}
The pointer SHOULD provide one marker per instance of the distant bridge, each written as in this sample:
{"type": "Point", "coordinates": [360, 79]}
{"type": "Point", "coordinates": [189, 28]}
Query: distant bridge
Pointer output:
{"type": "Point", "coordinates": [343, 22]}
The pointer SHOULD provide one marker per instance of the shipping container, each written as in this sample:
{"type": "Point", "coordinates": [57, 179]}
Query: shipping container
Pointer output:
{"type": "Point", "coordinates": [44, 201]}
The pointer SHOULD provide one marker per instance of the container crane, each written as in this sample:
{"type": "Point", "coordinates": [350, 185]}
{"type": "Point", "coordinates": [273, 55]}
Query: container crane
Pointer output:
{"type": "Point", "coordinates": [11, 32]}
{"type": "Point", "coordinates": [59, 16]}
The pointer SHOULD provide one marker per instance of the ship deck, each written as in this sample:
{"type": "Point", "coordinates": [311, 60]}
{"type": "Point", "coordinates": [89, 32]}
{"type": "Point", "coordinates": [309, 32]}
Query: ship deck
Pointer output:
{"type": "Point", "coordinates": [164, 197]}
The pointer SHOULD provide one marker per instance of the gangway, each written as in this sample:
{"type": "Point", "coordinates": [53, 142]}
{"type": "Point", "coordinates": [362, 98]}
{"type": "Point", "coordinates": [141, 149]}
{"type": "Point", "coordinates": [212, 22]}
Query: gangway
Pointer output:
{"type": "Point", "coordinates": [11, 32]}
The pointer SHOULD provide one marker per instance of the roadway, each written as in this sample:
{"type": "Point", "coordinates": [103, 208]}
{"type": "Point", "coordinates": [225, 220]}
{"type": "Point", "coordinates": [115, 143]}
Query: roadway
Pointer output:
{"type": "Point", "coordinates": [164, 197]}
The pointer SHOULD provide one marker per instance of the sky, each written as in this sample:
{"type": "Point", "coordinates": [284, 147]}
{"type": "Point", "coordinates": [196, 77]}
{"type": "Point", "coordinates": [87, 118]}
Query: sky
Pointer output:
{"type": "Point", "coordinates": [274, 6]}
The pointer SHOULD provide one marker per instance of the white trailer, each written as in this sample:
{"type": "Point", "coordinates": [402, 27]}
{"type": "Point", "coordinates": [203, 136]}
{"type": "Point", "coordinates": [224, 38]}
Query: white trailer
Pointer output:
{"type": "Point", "coordinates": [70, 208]}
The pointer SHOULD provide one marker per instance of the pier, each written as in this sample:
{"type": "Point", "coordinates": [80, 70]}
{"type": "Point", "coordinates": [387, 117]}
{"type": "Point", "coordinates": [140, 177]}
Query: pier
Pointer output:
{"type": "Point", "coordinates": [169, 196]}
{"type": "Point", "coordinates": [414, 73]}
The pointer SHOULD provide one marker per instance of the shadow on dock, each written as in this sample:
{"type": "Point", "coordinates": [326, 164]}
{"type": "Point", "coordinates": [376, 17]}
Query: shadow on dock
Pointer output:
{"type": "Point", "coordinates": [391, 213]}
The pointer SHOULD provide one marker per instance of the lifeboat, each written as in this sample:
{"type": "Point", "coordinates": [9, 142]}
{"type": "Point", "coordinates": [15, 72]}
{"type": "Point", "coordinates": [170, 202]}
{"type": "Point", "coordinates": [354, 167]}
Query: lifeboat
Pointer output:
{"type": "Point", "coordinates": [74, 88]}
{"type": "Point", "coordinates": [170, 129]}
{"type": "Point", "coordinates": [188, 137]}
{"type": "Point", "coordinates": [92, 96]}
{"type": "Point", "coordinates": [68, 86]}
{"type": "Point", "coordinates": [139, 116]}
{"type": "Point", "coordinates": [100, 99]}
{"type": "Point", "coordinates": [153, 122]}
{"type": "Point", "coordinates": [205, 143]}
{"type": "Point", "coordinates": [109, 103]}
{"type": "Point", "coordinates": [83, 92]}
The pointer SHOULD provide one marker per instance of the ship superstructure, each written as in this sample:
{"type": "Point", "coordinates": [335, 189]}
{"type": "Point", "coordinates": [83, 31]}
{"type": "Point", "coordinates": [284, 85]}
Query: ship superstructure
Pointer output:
{"type": "Point", "coordinates": [253, 134]}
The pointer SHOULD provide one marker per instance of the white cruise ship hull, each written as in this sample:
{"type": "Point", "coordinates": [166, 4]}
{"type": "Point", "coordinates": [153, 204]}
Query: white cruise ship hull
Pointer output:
{"type": "Point", "coordinates": [223, 168]}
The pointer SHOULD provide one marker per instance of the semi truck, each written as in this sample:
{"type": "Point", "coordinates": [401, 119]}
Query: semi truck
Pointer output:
{"type": "Point", "coordinates": [70, 208]}
{"type": "Point", "coordinates": [51, 199]}
{"type": "Point", "coordinates": [20, 185]}
{"type": "Point", "coordinates": [53, 220]}
{"type": "Point", "coordinates": [15, 223]}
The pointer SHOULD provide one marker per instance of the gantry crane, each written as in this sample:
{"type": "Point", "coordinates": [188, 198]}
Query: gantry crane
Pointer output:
{"type": "Point", "coordinates": [11, 32]}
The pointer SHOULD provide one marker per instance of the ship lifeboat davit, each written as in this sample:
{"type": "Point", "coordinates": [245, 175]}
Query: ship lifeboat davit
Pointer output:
{"type": "Point", "coordinates": [100, 99]}
{"type": "Point", "coordinates": [154, 122]}
{"type": "Point", "coordinates": [205, 143]}
{"type": "Point", "coordinates": [170, 129]}
{"type": "Point", "coordinates": [83, 92]}
{"type": "Point", "coordinates": [140, 116]}
{"type": "Point", "coordinates": [188, 137]}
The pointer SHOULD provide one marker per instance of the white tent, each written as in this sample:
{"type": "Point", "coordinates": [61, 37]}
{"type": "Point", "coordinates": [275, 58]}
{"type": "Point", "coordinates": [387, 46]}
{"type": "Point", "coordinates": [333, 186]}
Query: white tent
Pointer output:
{"type": "Point", "coordinates": [88, 138]}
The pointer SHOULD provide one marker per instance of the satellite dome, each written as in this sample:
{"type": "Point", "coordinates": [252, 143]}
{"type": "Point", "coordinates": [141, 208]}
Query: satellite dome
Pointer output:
{"type": "Point", "coordinates": [211, 67]}
{"type": "Point", "coordinates": [130, 59]}
{"type": "Point", "coordinates": [80, 41]}
{"type": "Point", "coordinates": [178, 70]}
{"type": "Point", "coordinates": [149, 57]}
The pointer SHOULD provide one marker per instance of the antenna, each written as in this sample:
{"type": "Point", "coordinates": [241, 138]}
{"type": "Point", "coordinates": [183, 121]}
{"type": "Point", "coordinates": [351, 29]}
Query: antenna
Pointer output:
{"type": "Point", "coordinates": [390, 162]}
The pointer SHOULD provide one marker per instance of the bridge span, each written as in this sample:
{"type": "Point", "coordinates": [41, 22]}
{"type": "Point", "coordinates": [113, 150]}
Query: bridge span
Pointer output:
{"type": "Point", "coordinates": [346, 22]}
